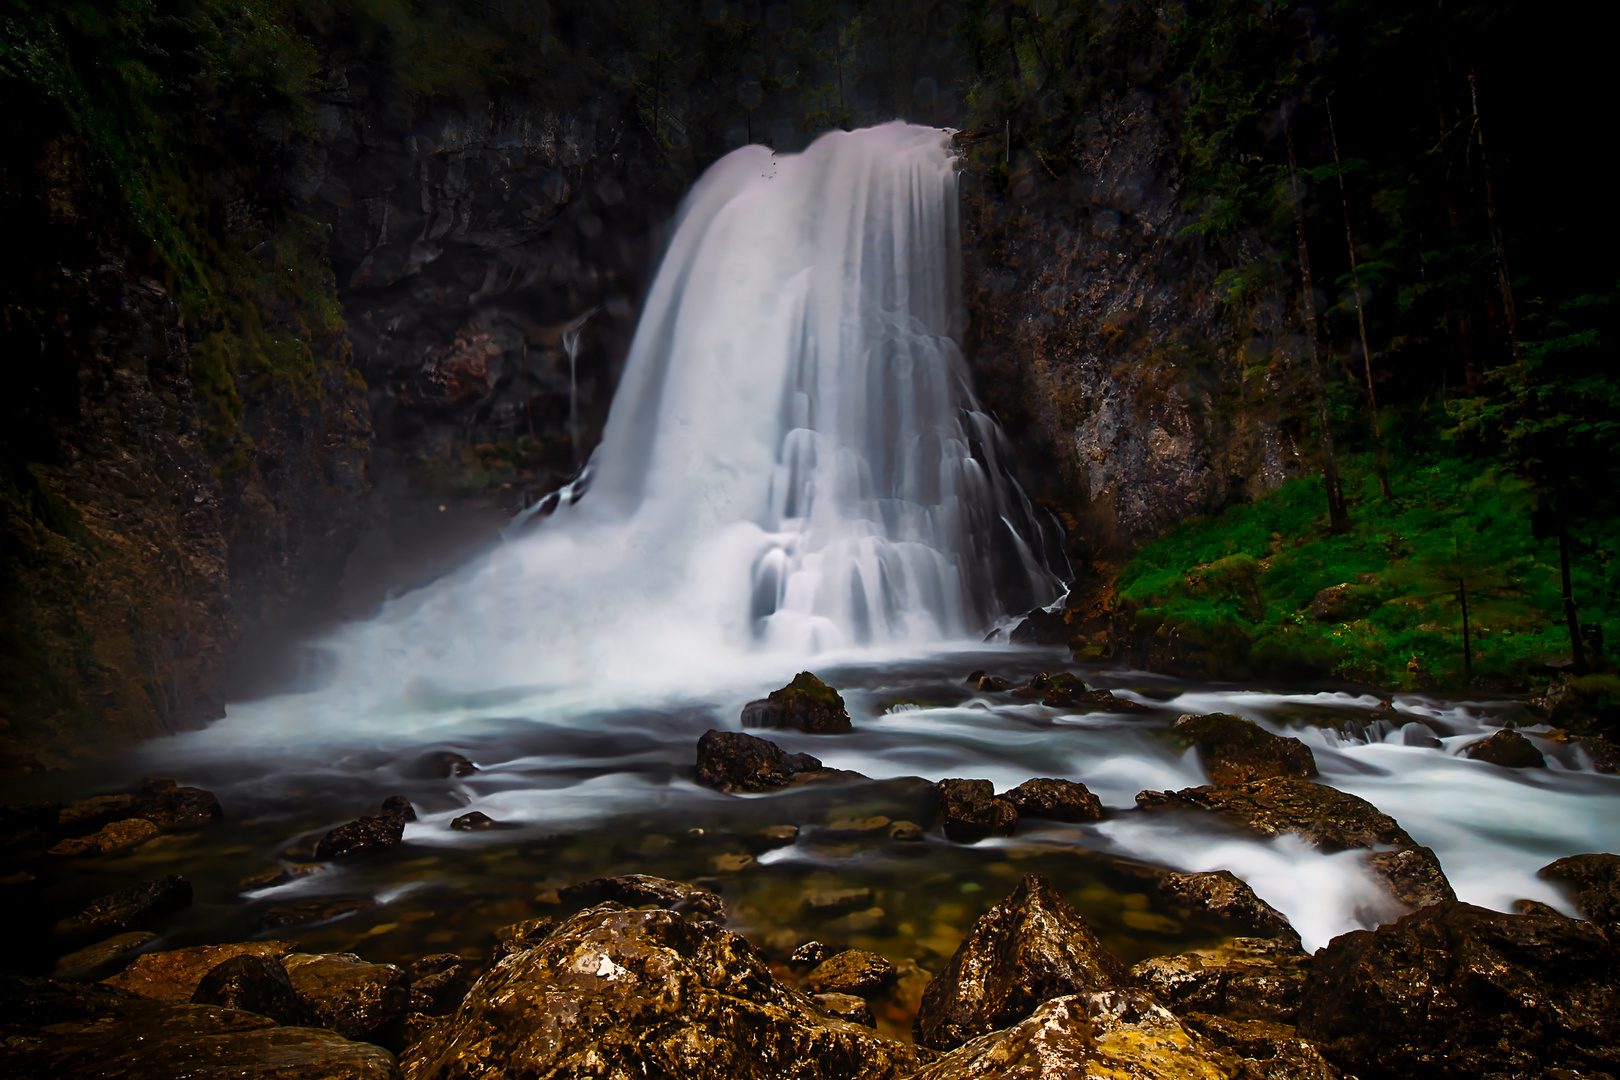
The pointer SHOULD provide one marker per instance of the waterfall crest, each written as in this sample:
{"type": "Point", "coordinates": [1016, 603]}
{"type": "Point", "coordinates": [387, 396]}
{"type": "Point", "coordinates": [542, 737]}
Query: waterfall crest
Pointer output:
{"type": "Point", "coordinates": [794, 463]}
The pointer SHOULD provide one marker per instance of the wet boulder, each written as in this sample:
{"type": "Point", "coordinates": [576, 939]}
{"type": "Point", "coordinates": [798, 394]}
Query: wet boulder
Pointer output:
{"type": "Point", "coordinates": [1603, 753]}
{"type": "Point", "coordinates": [114, 837]}
{"type": "Point", "coordinates": [256, 984]}
{"type": "Point", "coordinates": [78, 1032]}
{"type": "Point", "coordinates": [343, 993]}
{"type": "Point", "coordinates": [174, 975]}
{"type": "Point", "coordinates": [1226, 896]}
{"type": "Point", "coordinates": [521, 935]}
{"type": "Point", "coordinates": [736, 761]}
{"type": "Point", "coordinates": [969, 811]}
{"type": "Point", "coordinates": [1246, 978]}
{"type": "Point", "coordinates": [476, 821]}
{"type": "Point", "coordinates": [439, 982]}
{"type": "Point", "coordinates": [1264, 1050]}
{"type": "Point", "coordinates": [1454, 991]}
{"type": "Point", "coordinates": [368, 835]}
{"type": "Point", "coordinates": [1328, 819]}
{"type": "Point", "coordinates": [845, 1007]}
{"type": "Point", "coordinates": [1098, 701]}
{"type": "Point", "coordinates": [1236, 751]}
{"type": "Point", "coordinates": [102, 955]}
{"type": "Point", "coordinates": [616, 992]}
{"type": "Point", "coordinates": [1030, 947]}
{"type": "Point", "coordinates": [1108, 1033]}
{"type": "Point", "coordinates": [1508, 749]}
{"type": "Point", "coordinates": [1054, 800]}
{"type": "Point", "coordinates": [323, 909]}
{"type": "Point", "coordinates": [127, 909]}
{"type": "Point", "coordinates": [640, 890]}
{"type": "Point", "coordinates": [806, 704]}
{"type": "Point", "coordinates": [170, 806]}
{"type": "Point", "coordinates": [1593, 880]}
{"type": "Point", "coordinates": [853, 971]}
{"type": "Point", "coordinates": [1041, 627]}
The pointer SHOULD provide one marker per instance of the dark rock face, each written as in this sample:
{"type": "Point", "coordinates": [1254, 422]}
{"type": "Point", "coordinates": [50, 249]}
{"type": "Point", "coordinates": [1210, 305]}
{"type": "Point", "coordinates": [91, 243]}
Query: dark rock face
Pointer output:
{"type": "Point", "coordinates": [169, 806]}
{"type": "Point", "coordinates": [1247, 978]}
{"type": "Point", "coordinates": [1265, 1050]}
{"type": "Point", "coordinates": [127, 909]}
{"type": "Point", "coordinates": [1111, 1033]}
{"type": "Point", "coordinates": [256, 984]}
{"type": "Point", "coordinates": [970, 811]}
{"type": "Point", "coordinates": [368, 835]}
{"type": "Point", "coordinates": [1455, 991]}
{"type": "Point", "coordinates": [1508, 749]}
{"type": "Point", "coordinates": [76, 1032]}
{"type": "Point", "coordinates": [1224, 895]}
{"type": "Point", "coordinates": [351, 997]}
{"type": "Point", "coordinates": [1029, 948]}
{"type": "Point", "coordinates": [806, 704]}
{"type": "Point", "coordinates": [1236, 751]}
{"type": "Point", "coordinates": [443, 980]}
{"type": "Point", "coordinates": [1595, 882]}
{"type": "Point", "coordinates": [1330, 819]}
{"type": "Point", "coordinates": [1055, 800]}
{"type": "Point", "coordinates": [639, 890]}
{"type": "Point", "coordinates": [853, 971]}
{"type": "Point", "coordinates": [734, 761]}
{"type": "Point", "coordinates": [646, 993]}
{"type": "Point", "coordinates": [1605, 753]}
{"type": "Point", "coordinates": [174, 976]}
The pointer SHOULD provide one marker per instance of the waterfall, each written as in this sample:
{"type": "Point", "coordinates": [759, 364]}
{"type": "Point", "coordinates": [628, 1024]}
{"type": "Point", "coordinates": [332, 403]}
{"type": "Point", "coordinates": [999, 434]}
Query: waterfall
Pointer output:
{"type": "Point", "coordinates": [794, 464]}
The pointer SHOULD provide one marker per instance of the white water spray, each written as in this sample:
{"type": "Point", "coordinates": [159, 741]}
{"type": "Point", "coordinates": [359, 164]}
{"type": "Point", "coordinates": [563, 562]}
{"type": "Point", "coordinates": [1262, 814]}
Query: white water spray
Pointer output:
{"type": "Point", "coordinates": [794, 464]}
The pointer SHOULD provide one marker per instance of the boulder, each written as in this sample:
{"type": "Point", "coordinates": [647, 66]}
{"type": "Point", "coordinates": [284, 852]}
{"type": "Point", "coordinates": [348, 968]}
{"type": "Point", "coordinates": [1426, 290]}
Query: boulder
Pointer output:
{"type": "Point", "coordinates": [970, 811]}
{"type": "Point", "coordinates": [640, 890]}
{"type": "Point", "coordinates": [1593, 880]}
{"type": "Point", "coordinates": [1226, 896]}
{"type": "Point", "coordinates": [845, 1007]}
{"type": "Point", "coordinates": [1344, 602]}
{"type": "Point", "coordinates": [126, 909]}
{"type": "Point", "coordinates": [368, 835]}
{"type": "Point", "coordinates": [1030, 947]}
{"type": "Point", "coordinates": [256, 984]}
{"type": "Point", "coordinates": [174, 976]}
{"type": "Point", "coordinates": [1327, 818]}
{"type": "Point", "coordinates": [441, 765]}
{"type": "Point", "coordinates": [615, 992]}
{"type": "Point", "coordinates": [1054, 800]}
{"type": "Point", "coordinates": [735, 761]}
{"type": "Point", "coordinates": [853, 971]}
{"type": "Point", "coordinates": [1246, 978]}
{"type": "Point", "coordinates": [439, 982]}
{"type": "Point", "coordinates": [905, 832]}
{"type": "Point", "coordinates": [476, 821]}
{"type": "Point", "coordinates": [276, 875]}
{"type": "Point", "coordinates": [95, 811]}
{"type": "Point", "coordinates": [806, 704]}
{"type": "Point", "coordinates": [103, 954]}
{"type": "Point", "coordinates": [113, 837]}
{"type": "Point", "coordinates": [810, 954]}
{"type": "Point", "coordinates": [1096, 701]}
{"type": "Point", "coordinates": [1236, 751]}
{"type": "Point", "coordinates": [343, 993]}
{"type": "Point", "coordinates": [1604, 753]}
{"type": "Point", "coordinates": [1264, 1050]}
{"type": "Point", "coordinates": [1041, 627]}
{"type": "Point", "coordinates": [77, 1032]}
{"type": "Point", "coordinates": [1508, 749]}
{"type": "Point", "coordinates": [521, 935]}
{"type": "Point", "coordinates": [1120, 1034]}
{"type": "Point", "coordinates": [1453, 991]}
{"type": "Point", "coordinates": [170, 806]}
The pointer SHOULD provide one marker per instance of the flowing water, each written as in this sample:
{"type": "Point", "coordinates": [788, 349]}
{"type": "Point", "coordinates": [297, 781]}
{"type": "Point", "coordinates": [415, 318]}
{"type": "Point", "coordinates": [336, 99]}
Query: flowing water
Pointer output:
{"type": "Point", "coordinates": [795, 474]}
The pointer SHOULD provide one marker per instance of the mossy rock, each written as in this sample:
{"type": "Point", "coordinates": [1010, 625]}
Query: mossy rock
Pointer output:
{"type": "Point", "coordinates": [1237, 751]}
{"type": "Point", "coordinates": [806, 703]}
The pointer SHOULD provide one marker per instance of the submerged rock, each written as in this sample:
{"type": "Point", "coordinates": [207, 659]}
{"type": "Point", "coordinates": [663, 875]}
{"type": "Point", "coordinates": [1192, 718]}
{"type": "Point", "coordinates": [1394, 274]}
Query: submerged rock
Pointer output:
{"type": "Point", "coordinates": [118, 836]}
{"type": "Point", "coordinates": [1236, 751]}
{"type": "Point", "coordinates": [256, 984]}
{"type": "Point", "coordinates": [1508, 749]}
{"type": "Point", "coordinates": [126, 909]}
{"type": "Point", "coordinates": [1055, 800]}
{"type": "Point", "coordinates": [1246, 978]}
{"type": "Point", "coordinates": [1226, 896]}
{"type": "Point", "coordinates": [77, 1032]}
{"type": "Point", "coordinates": [174, 975]}
{"type": "Point", "coordinates": [1120, 1034]}
{"type": "Point", "coordinates": [970, 811]}
{"type": "Point", "coordinates": [1327, 818]}
{"type": "Point", "coordinates": [1454, 991]}
{"type": "Point", "coordinates": [827, 902]}
{"type": "Point", "coordinates": [853, 971]}
{"type": "Point", "coordinates": [614, 992]}
{"type": "Point", "coordinates": [1030, 947]}
{"type": "Point", "coordinates": [806, 704]}
{"type": "Point", "coordinates": [103, 954]}
{"type": "Point", "coordinates": [735, 761]}
{"type": "Point", "coordinates": [368, 835]}
{"type": "Point", "coordinates": [343, 993]}
{"type": "Point", "coordinates": [1594, 881]}
{"type": "Point", "coordinates": [845, 1007]}
{"type": "Point", "coordinates": [311, 911]}
{"type": "Point", "coordinates": [640, 890]}
{"type": "Point", "coordinates": [1097, 701]}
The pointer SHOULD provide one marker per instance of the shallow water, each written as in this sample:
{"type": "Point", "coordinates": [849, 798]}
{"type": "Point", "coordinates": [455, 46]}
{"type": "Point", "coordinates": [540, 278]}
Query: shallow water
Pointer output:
{"type": "Point", "coordinates": [584, 796]}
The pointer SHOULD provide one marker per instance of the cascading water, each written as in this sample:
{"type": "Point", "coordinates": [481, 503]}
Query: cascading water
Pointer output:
{"type": "Point", "coordinates": [794, 463]}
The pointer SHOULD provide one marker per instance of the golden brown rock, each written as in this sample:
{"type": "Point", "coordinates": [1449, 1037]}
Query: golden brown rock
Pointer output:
{"type": "Point", "coordinates": [173, 976]}
{"type": "Point", "coordinates": [117, 836]}
{"type": "Point", "coordinates": [343, 993]}
{"type": "Point", "coordinates": [1246, 978]}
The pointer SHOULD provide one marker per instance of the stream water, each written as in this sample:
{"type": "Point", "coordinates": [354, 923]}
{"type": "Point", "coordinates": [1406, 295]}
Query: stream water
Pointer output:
{"type": "Point", "coordinates": [795, 474]}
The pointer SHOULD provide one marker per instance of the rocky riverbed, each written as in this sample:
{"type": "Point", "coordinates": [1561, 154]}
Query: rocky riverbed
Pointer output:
{"type": "Point", "coordinates": [1135, 883]}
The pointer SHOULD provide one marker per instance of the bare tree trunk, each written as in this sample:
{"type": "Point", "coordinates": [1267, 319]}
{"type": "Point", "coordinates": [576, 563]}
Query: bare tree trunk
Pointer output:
{"type": "Point", "coordinates": [1380, 464]}
{"type": "Point", "coordinates": [1508, 309]}
{"type": "Point", "coordinates": [1468, 653]}
{"type": "Point", "coordinates": [1338, 517]}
